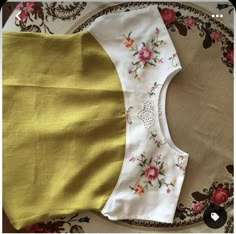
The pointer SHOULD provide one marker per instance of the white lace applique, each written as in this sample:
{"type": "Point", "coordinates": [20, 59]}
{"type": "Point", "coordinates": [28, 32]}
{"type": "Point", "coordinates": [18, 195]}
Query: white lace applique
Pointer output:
{"type": "Point", "coordinates": [147, 114]}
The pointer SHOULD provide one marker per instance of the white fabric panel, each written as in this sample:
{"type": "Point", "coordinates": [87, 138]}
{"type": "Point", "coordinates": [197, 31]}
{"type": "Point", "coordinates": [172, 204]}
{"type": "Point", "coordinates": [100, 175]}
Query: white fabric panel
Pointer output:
{"type": "Point", "coordinates": [149, 186]}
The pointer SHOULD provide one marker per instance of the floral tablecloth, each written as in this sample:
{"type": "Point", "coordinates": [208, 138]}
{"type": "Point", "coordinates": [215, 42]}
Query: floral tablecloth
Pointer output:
{"type": "Point", "coordinates": [199, 105]}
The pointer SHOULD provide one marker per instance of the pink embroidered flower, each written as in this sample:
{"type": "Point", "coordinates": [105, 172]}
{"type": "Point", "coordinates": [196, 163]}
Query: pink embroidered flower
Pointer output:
{"type": "Point", "coordinates": [216, 36]}
{"type": "Point", "coordinates": [151, 172]}
{"type": "Point", "coordinates": [129, 71]}
{"type": "Point", "coordinates": [168, 15]}
{"type": "Point", "coordinates": [230, 56]}
{"type": "Point", "coordinates": [189, 22]}
{"type": "Point", "coordinates": [198, 207]}
{"type": "Point", "coordinates": [145, 54]}
{"type": "Point", "coordinates": [168, 190]}
{"type": "Point", "coordinates": [219, 196]}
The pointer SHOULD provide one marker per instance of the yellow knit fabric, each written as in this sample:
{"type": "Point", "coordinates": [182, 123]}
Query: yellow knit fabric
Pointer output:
{"type": "Point", "coordinates": [63, 125]}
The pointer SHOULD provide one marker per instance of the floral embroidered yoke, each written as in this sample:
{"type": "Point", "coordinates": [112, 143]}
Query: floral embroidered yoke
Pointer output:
{"type": "Point", "coordinates": [154, 168]}
{"type": "Point", "coordinates": [86, 128]}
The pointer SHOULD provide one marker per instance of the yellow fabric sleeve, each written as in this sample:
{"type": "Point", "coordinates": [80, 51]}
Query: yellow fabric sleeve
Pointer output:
{"type": "Point", "coordinates": [63, 125]}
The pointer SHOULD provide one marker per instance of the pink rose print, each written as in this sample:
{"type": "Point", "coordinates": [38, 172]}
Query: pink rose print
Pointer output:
{"type": "Point", "coordinates": [151, 172]}
{"type": "Point", "coordinates": [168, 190]}
{"type": "Point", "coordinates": [230, 56]}
{"type": "Point", "coordinates": [168, 15]}
{"type": "Point", "coordinates": [145, 54]}
{"type": "Point", "coordinates": [189, 22]}
{"type": "Point", "coordinates": [216, 36]}
{"type": "Point", "coordinates": [25, 10]}
{"type": "Point", "coordinates": [219, 196]}
{"type": "Point", "coordinates": [199, 207]}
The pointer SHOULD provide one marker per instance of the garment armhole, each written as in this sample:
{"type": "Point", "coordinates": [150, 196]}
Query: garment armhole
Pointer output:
{"type": "Point", "coordinates": [162, 116]}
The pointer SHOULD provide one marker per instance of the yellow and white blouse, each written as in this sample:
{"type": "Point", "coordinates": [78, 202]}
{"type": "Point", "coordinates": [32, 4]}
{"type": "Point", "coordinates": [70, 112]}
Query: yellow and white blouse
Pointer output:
{"type": "Point", "coordinates": [84, 123]}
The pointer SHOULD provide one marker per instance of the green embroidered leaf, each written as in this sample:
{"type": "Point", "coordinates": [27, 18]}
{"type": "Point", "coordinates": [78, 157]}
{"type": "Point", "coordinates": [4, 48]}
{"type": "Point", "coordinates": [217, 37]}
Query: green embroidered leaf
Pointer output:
{"type": "Point", "coordinates": [160, 184]}
{"type": "Point", "coordinates": [161, 165]}
{"type": "Point", "coordinates": [131, 187]}
{"type": "Point", "coordinates": [150, 161]}
{"type": "Point", "coordinates": [144, 162]}
{"type": "Point", "coordinates": [140, 164]}
{"type": "Point", "coordinates": [159, 162]}
{"type": "Point", "coordinates": [142, 155]}
{"type": "Point", "coordinates": [161, 173]}
{"type": "Point", "coordinates": [152, 40]}
{"type": "Point", "coordinates": [135, 53]}
{"type": "Point", "coordinates": [135, 63]}
{"type": "Point", "coordinates": [155, 161]}
{"type": "Point", "coordinates": [152, 64]}
{"type": "Point", "coordinates": [142, 173]}
{"type": "Point", "coordinates": [129, 34]}
{"type": "Point", "coordinates": [156, 51]}
{"type": "Point", "coordinates": [150, 183]}
{"type": "Point", "coordinates": [170, 58]}
{"type": "Point", "coordinates": [143, 44]}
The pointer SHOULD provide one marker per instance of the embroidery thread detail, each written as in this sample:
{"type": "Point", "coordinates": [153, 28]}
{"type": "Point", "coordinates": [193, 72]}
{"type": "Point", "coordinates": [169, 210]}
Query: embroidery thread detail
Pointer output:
{"type": "Point", "coordinates": [153, 172]}
{"type": "Point", "coordinates": [173, 60]}
{"type": "Point", "coordinates": [180, 163]}
{"type": "Point", "coordinates": [145, 55]}
{"type": "Point", "coordinates": [127, 115]}
{"type": "Point", "coordinates": [147, 114]}
{"type": "Point", "coordinates": [156, 141]}
{"type": "Point", "coordinates": [153, 89]}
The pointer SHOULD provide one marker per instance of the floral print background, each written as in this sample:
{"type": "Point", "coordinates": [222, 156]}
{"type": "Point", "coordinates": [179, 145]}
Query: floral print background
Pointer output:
{"type": "Point", "coordinates": [181, 19]}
